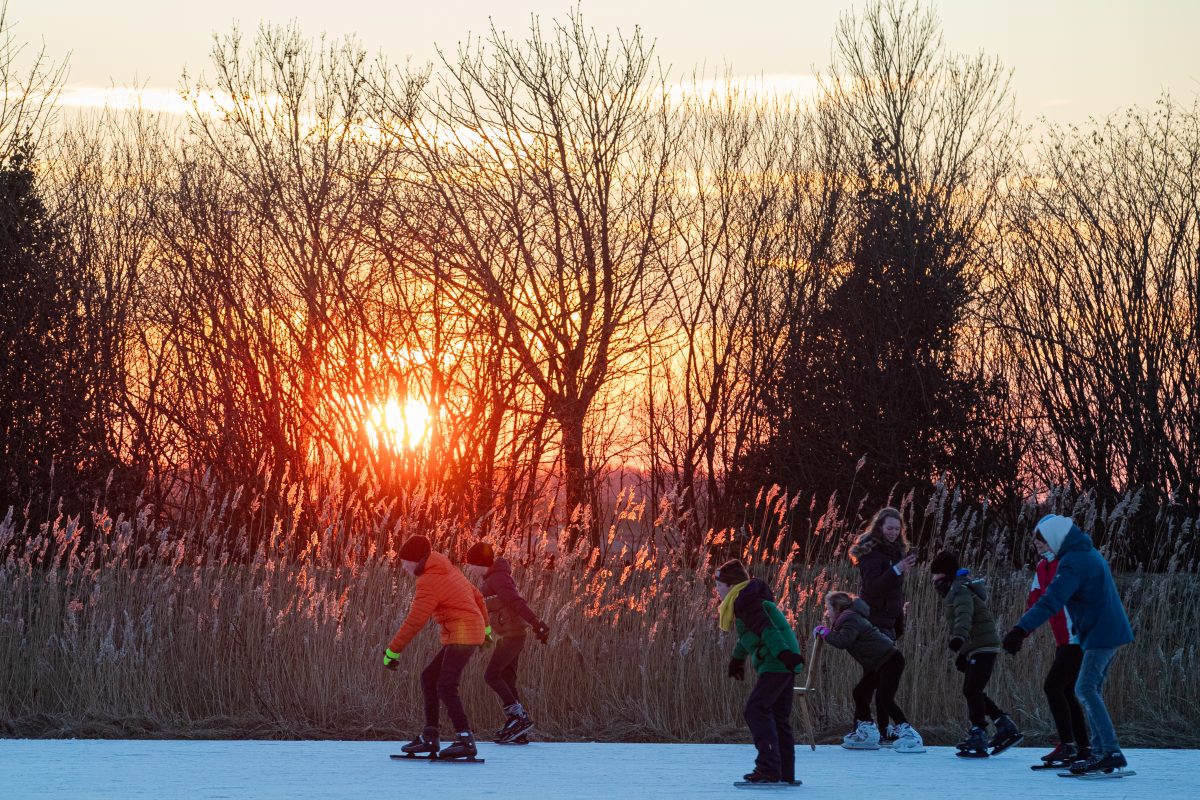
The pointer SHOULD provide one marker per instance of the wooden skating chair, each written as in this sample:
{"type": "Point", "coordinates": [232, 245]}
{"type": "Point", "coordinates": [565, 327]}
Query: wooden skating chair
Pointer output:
{"type": "Point", "coordinates": [807, 690]}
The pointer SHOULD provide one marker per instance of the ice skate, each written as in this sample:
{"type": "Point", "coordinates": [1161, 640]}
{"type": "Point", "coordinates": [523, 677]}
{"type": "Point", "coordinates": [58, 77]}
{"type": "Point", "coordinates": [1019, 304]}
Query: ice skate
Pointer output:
{"type": "Point", "coordinates": [908, 740]}
{"type": "Point", "coordinates": [975, 745]}
{"type": "Point", "coordinates": [1006, 736]}
{"type": "Point", "coordinates": [423, 746]}
{"type": "Point", "coordinates": [1100, 766]}
{"type": "Point", "coordinates": [1061, 757]}
{"type": "Point", "coordinates": [462, 749]}
{"type": "Point", "coordinates": [865, 737]}
{"type": "Point", "coordinates": [518, 724]}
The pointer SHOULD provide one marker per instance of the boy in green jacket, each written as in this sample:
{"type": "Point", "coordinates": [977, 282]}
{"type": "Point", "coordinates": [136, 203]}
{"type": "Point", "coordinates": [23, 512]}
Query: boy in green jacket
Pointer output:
{"type": "Point", "coordinates": [763, 633]}
{"type": "Point", "coordinates": [976, 639]}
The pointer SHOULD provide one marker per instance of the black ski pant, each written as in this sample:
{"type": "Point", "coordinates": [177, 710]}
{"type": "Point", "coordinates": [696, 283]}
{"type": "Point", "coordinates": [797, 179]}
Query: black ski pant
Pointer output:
{"type": "Point", "coordinates": [440, 680]}
{"type": "Point", "coordinates": [501, 672]}
{"type": "Point", "coordinates": [769, 714]}
{"type": "Point", "coordinates": [977, 671]}
{"type": "Point", "coordinates": [1060, 694]}
{"type": "Point", "coordinates": [881, 683]}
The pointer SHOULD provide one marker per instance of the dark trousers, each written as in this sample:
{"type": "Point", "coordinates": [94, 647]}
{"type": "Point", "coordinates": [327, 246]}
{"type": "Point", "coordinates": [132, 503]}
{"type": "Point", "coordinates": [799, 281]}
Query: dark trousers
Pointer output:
{"type": "Point", "coordinates": [769, 715]}
{"type": "Point", "coordinates": [439, 681]}
{"type": "Point", "coordinates": [977, 671]}
{"type": "Point", "coordinates": [882, 684]}
{"type": "Point", "coordinates": [501, 672]}
{"type": "Point", "coordinates": [1060, 694]}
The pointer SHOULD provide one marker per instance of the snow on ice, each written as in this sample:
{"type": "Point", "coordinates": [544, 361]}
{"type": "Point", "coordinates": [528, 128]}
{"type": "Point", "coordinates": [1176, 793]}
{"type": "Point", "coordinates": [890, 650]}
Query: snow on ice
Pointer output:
{"type": "Point", "coordinates": [255, 770]}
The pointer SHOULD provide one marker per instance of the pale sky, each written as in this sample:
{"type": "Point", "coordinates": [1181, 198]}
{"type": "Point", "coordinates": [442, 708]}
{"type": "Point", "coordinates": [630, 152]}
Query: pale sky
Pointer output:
{"type": "Point", "coordinates": [1072, 58]}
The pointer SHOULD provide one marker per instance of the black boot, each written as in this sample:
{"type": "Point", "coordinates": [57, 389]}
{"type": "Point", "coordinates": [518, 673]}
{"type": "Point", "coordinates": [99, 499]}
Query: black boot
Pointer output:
{"type": "Point", "coordinates": [1104, 763]}
{"type": "Point", "coordinates": [463, 747]}
{"type": "Point", "coordinates": [758, 776]}
{"type": "Point", "coordinates": [1064, 755]}
{"type": "Point", "coordinates": [975, 745]}
{"type": "Point", "coordinates": [426, 742]}
{"type": "Point", "coordinates": [518, 723]}
{"type": "Point", "coordinates": [1006, 736]}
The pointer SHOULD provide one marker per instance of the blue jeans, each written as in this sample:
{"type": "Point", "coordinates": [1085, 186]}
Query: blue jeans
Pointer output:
{"type": "Point", "coordinates": [1089, 689]}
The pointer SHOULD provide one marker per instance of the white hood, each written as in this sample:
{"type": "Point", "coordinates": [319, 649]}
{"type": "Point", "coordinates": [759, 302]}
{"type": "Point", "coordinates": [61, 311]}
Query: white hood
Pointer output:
{"type": "Point", "coordinates": [1054, 529]}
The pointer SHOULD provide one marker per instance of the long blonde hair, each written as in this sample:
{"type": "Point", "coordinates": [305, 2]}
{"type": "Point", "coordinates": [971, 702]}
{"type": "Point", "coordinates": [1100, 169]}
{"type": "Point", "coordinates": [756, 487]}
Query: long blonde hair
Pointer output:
{"type": "Point", "coordinates": [875, 529]}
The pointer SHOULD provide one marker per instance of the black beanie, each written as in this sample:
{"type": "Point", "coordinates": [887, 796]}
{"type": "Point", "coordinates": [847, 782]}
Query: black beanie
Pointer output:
{"type": "Point", "coordinates": [415, 548]}
{"type": "Point", "coordinates": [481, 554]}
{"type": "Point", "coordinates": [732, 572]}
{"type": "Point", "coordinates": [945, 563]}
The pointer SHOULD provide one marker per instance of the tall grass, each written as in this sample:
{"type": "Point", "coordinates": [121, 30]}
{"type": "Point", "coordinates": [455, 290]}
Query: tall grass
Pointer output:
{"type": "Point", "coordinates": [123, 627]}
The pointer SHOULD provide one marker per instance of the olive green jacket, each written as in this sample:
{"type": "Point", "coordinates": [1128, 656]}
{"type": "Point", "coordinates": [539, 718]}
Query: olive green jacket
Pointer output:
{"type": "Point", "coordinates": [969, 616]}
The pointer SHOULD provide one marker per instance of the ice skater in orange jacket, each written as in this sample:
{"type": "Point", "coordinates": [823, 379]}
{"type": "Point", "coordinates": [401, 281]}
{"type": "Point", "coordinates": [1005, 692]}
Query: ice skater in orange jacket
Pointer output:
{"type": "Point", "coordinates": [445, 594]}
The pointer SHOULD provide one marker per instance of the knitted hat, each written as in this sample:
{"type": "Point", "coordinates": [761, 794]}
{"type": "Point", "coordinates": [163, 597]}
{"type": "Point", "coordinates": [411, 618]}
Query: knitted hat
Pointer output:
{"type": "Point", "coordinates": [481, 554]}
{"type": "Point", "coordinates": [1054, 529]}
{"type": "Point", "coordinates": [415, 548]}
{"type": "Point", "coordinates": [732, 572]}
{"type": "Point", "coordinates": [944, 563]}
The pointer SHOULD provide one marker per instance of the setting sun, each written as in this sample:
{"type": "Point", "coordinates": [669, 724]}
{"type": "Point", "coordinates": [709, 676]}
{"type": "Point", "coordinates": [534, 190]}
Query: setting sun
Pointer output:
{"type": "Point", "coordinates": [400, 425]}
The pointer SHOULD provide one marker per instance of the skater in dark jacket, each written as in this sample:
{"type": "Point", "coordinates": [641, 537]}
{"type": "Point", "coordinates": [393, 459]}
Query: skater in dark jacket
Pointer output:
{"type": "Point", "coordinates": [764, 634]}
{"type": "Point", "coordinates": [976, 641]}
{"type": "Point", "coordinates": [1064, 671]}
{"type": "Point", "coordinates": [847, 628]}
{"type": "Point", "coordinates": [1083, 585]}
{"type": "Point", "coordinates": [882, 556]}
{"type": "Point", "coordinates": [446, 595]}
{"type": "Point", "coordinates": [511, 618]}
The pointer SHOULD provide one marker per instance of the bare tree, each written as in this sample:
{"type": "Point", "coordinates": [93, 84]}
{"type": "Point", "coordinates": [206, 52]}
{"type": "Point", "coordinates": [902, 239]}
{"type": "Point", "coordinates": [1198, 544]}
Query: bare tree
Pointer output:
{"type": "Point", "coordinates": [763, 193]}
{"type": "Point", "coordinates": [545, 168]}
{"type": "Point", "coordinates": [1101, 302]}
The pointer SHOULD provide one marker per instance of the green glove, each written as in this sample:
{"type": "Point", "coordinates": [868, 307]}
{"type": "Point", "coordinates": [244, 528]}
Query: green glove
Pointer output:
{"type": "Point", "coordinates": [391, 660]}
{"type": "Point", "coordinates": [488, 639]}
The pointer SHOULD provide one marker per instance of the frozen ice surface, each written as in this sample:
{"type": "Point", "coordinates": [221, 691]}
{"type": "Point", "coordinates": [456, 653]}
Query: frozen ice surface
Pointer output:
{"type": "Point", "coordinates": [180, 770]}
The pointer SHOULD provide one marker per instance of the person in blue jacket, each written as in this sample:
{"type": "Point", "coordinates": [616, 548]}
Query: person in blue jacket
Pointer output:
{"type": "Point", "coordinates": [764, 634]}
{"type": "Point", "coordinates": [1084, 585]}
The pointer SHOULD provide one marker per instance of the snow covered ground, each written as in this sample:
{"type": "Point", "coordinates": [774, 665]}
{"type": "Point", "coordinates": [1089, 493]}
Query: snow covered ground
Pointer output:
{"type": "Point", "coordinates": [180, 770]}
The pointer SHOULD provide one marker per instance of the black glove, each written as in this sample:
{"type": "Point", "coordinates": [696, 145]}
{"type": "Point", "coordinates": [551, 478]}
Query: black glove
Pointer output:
{"type": "Point", "coordinates": [1013, 640]}
{"type": "Point", "coordinates": [737, 668]}
{"type": "Point", "coordinates": [541, 632]}
{"type": "Point", "coordinates": [956, 643]}
{"type": "Point", "coordinates": [791, 660]}
{"type": "Point", "coordinates": [962, 662]}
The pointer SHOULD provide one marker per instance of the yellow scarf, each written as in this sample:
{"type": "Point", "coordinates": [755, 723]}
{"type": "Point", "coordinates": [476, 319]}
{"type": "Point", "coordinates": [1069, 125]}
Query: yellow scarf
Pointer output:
{"type": "Point", "coordinates": [725, 610]}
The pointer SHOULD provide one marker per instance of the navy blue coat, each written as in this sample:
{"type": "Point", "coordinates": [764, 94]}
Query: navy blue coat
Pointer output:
{"type": "Point", "coordinates": [1084, 584]}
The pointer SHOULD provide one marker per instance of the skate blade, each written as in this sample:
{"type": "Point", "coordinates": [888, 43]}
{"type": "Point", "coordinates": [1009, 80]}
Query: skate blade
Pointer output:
{"type": "Point", "coordinates": [998, 750]}
{"type": "Point", "coordinates": [861, 746]}
{"type": "Point", "coordinates": [513, 736]}
{"type": "Point", "coordinates": [969, 754]}
{"type": "Point", "coordinates": [909, 751]}
{"type": "Point", "coordinates": [411, 757]}
{"type": "Point", "coordinates": [471, 760]}
{"type": "Point", "coordinates": [776, 785]}
{"type": "Point", "coordinates": [1100, 776]}
{"type": "Point", "coordinates": [1041, 767]}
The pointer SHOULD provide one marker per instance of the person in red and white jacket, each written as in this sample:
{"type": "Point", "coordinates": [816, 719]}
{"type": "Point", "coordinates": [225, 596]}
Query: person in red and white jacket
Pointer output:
{"type": "Point", "coordinates": [1060, 680]}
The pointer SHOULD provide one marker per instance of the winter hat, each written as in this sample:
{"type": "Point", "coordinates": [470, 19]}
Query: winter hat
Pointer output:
{"type": "Point", "coordinates": [1054, 529]}
{"type": "Point", "coordinates": [732, 572]}
{"type": "Point", "coordinates": [481, 554]}
{"type": "Point", "coordinates": [944, 563]}
{"type": "Point", "coordinates": [415, 548]}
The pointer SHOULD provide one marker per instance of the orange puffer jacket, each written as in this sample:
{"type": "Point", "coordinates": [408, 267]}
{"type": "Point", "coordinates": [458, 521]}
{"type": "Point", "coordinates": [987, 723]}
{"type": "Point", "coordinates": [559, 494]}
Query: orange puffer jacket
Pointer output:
{"type": "Point", "coordinates": [445, 594]}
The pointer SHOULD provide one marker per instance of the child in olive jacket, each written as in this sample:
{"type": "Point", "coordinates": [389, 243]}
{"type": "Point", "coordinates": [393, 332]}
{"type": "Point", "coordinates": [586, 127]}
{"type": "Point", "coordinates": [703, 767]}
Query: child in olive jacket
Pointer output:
{"type": "Point", "coordinates": [976, 639]}
{"type": "Point", "coordinates": [763, 634]}
{"type": "Point", "coordinates": [849, 628]}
